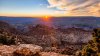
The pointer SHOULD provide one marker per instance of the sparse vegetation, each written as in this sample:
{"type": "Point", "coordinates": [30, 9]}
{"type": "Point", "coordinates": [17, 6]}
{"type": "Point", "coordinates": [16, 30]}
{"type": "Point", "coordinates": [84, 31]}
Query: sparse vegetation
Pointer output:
{"type": "Point", "coordinates": [93, 46]}
{"type": "Point", "coordinates": [7, 40]}
{"type": "Point", "coordinates": [63, 41]}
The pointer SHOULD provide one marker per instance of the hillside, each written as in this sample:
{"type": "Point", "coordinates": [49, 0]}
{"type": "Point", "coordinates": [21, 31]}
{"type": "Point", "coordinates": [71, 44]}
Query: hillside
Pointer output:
{"type": "Point", "coordinates": [59, 40]}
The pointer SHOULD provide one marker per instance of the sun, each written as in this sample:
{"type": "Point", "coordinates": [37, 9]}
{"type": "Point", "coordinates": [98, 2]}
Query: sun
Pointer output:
{"type": "Point", "coordinates": [46, 18]}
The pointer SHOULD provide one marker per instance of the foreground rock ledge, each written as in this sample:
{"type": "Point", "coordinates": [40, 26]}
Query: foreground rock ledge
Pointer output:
{"type": "Point", "coordinates": [52, 54]}
{"type": "Point", "coordinates": [25, 50]}
{"type": "Point", "coordinates": [22, 49]}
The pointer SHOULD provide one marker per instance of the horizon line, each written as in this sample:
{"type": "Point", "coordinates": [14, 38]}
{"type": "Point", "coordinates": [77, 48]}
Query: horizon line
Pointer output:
{"type": "Point", "coordinates": [49, 16]}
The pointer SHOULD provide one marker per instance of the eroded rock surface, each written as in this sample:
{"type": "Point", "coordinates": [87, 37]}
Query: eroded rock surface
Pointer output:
{"type": "Point", "coordinates": [52, 54]}
{"type": "Point", "coordinates": [22, 49]}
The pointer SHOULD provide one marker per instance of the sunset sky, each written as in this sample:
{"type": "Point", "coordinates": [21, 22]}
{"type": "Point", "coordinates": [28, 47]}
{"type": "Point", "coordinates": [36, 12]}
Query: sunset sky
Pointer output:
{"type": "Point", "coordinates": [32, 8]}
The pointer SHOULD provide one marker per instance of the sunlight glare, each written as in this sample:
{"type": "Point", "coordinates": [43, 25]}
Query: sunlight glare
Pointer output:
{"type": "Point", "coordinates": [46, 18]}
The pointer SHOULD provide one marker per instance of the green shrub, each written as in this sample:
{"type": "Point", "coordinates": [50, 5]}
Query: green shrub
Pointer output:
{"type": "Point", "coordinates": [93, 46]}
{"type": "Point", "coordinates": [7, 40]}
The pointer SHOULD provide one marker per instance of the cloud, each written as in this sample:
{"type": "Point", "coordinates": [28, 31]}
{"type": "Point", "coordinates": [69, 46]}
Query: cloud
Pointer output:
{"type": "Point", "coordinates": [84, 7]}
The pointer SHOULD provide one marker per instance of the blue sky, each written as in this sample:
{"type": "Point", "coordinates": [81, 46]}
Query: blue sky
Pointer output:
{"type": "Point", "coordinates": [24, 7]}
{"type": "Point", "coordinates": [50, 7]}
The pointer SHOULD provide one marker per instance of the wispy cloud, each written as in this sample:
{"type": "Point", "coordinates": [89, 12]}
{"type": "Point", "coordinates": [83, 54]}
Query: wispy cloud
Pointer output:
{"type": "Point", "coordinates": [83, 7]}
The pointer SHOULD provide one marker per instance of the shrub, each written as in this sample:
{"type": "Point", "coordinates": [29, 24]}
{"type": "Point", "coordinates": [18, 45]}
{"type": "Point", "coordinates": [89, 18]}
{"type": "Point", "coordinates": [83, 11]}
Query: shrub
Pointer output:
{"type": "Point", "coordinates": [6, 40]}
{"type": "Point", "coordinates": [93, 46]}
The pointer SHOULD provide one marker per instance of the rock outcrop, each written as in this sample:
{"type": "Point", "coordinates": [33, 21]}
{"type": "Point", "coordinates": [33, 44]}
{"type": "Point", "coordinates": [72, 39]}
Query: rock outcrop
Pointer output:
{"type": "Point", "coordinates": [64, 41]}
{"type": "Point", "coordinates": [20, 50]}
{"type": "Point", "coordinates": [52, 54]}
{"type": "Point", "coordinates": [25, 50]}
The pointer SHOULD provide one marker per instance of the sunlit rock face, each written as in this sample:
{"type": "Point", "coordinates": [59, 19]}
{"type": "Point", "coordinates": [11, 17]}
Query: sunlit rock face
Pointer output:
{"type": "Point", "coordinates": [22, 49]}
{"type": "Point", "coordinates": [33, 48]}
{"type": "Point", "coordinates": [25, 50]}
{"type": "Point", "coordinates": [52, 54]}
{"type": "Point", "coordinates": [6, 50]}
